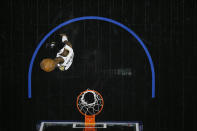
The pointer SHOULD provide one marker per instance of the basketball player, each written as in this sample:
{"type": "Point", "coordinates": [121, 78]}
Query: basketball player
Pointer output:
{"type": "Point", "coordinates": [64, 57]}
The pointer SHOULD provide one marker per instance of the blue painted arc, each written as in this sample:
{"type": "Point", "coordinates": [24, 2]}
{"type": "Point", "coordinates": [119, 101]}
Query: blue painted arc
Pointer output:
{"type": "Point", "coordinates": [90, 18]}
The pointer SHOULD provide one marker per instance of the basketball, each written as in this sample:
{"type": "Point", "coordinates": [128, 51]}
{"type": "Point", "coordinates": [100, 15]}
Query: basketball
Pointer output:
{"type": "Point", "coordinates": [48, 64]}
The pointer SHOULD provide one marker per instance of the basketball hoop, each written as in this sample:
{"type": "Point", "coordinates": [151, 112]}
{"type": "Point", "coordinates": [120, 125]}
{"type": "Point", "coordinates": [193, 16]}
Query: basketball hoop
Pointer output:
{"type": "Point", "coordinates": [90, 103]}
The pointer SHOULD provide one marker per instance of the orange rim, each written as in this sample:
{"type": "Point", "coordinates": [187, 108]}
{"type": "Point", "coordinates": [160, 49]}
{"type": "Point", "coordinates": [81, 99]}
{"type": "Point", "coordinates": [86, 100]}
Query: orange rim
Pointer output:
{"type": "Point", "coordinates": [96, 93]}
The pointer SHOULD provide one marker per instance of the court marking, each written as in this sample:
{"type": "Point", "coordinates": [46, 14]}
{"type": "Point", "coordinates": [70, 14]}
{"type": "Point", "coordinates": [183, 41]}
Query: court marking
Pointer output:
{"type": "Point", "coordinates": [91, 18]}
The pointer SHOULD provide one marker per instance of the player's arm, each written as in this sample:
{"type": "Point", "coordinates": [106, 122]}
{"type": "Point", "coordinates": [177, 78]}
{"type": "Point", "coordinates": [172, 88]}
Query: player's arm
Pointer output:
{"type": "Point", "coordinates": [58, 60]}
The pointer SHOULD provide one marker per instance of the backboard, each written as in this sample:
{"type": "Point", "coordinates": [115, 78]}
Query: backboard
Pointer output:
{"type": "Point", "coordinates": [80, 126]}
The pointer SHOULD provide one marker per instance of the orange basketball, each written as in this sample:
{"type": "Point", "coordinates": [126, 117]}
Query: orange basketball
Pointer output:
{"type": "Point", "coordinates": [47, 64]}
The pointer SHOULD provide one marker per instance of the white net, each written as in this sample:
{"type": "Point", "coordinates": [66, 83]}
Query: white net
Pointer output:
{"type": "Point", "coordinates": [90, 102]}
